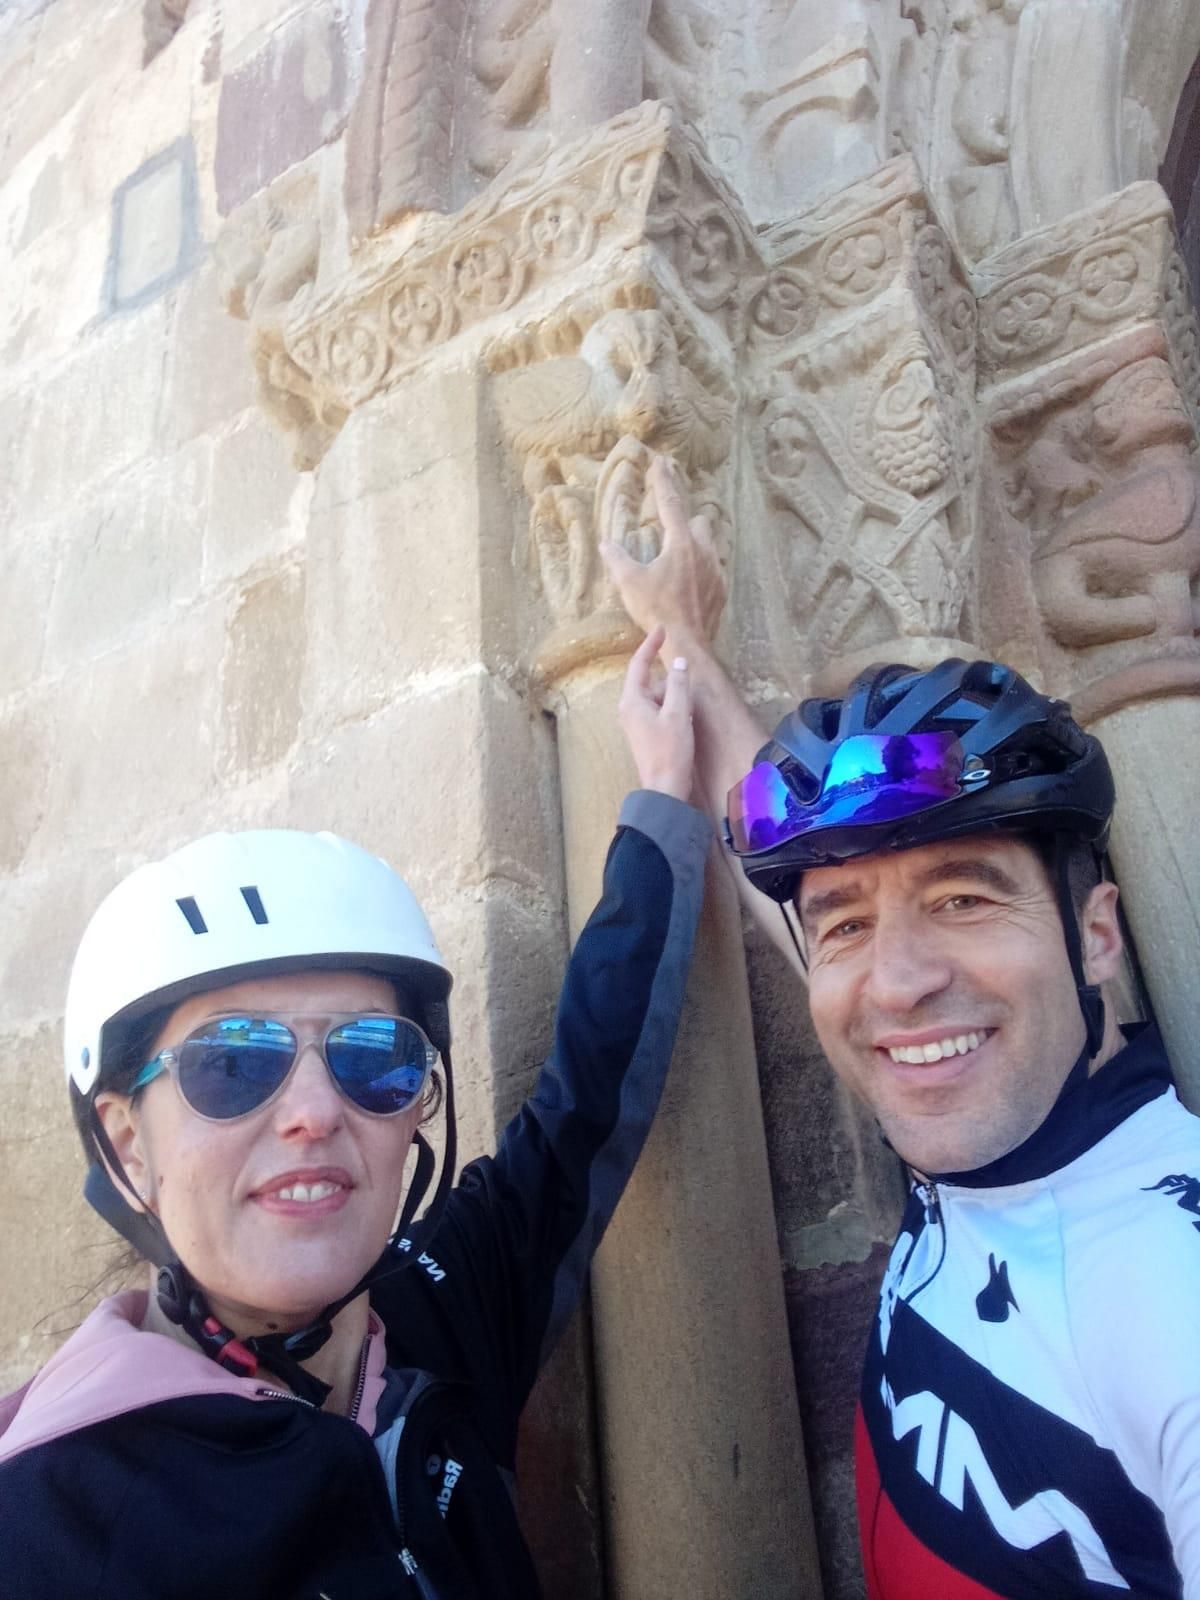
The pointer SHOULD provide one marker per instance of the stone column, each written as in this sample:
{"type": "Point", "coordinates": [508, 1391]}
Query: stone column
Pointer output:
{"type": "Point", "coordinates": [1090, 369]}
{"type": "Point", "coordinates": [702, 1461]}
{"type": "Point", "coordinates": [700, 1445]}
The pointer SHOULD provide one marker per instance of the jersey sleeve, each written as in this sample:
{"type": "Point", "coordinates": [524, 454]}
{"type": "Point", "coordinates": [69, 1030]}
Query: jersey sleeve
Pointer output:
{"type": "Point", "coordinates": [509, 1260]}
{"type": "Point", "coordinates": [1134, 1319]}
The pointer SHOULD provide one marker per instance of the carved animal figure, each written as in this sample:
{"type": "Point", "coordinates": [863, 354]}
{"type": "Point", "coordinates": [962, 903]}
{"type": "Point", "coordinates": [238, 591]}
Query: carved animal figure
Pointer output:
{"type": "Point", "coordinates": [1124, 557]}
{"type": "Point", "coordinates": [626, 380]}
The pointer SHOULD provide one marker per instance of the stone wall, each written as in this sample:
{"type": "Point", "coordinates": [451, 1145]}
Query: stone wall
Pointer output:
{"type": "Point", "coordinates": [337, 334]}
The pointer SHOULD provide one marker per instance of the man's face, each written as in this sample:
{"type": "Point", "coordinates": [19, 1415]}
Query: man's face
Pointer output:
{"type": "Point", "coordinates": [942, 994]}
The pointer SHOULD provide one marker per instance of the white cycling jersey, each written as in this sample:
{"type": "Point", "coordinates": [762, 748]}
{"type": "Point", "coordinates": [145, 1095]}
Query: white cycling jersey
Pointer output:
{"type": "Point", "coordinates": [1030, 1418]}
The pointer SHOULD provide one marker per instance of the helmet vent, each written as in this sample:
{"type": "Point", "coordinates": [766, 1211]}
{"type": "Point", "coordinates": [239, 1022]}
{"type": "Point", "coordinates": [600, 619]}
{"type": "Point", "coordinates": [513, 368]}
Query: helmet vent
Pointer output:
{"type": "Point", "coordinates": [254, 901]}
{"type": "Point", "coordinates": [192, 912]}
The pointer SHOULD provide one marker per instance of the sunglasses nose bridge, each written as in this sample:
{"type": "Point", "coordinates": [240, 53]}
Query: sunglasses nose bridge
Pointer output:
{"type": "Point", "coordinates": [307, 1079]}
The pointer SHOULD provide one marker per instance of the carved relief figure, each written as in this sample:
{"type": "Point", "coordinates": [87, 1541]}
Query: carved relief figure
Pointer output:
{"type": "Point", "coordinates": [267, 259]}
{"type": "Point", "coordinates": [398, 143]}
{"type": "Point", "coordinates": [581, 423]}
{"type": "Point", "coordinates": [820, 98]}
{"type": "Point", "coordinates": [561, 66]}
{"type": "Point", "coordinates": [1111, 488]}
{"type": "Point", "coordinates": [979, 182]}
{"type": "Point", "coordinates": [881, 548]}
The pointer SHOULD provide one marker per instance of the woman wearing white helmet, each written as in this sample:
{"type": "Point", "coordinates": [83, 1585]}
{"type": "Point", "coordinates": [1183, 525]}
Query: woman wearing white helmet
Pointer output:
{"type": "Point", "coordinates": [251, 1035]}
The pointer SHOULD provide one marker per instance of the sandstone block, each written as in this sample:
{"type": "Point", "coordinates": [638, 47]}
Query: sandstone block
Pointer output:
{"type": "Point", "coordinates": [412, 560]}
{"type": "Point", "coordinates": [254, 487]}
{"type": "Point", "coordinates": [210, 380]}
{"type": "Point", "coordinates": [155, 233]}
{"type": "Point", "coordinates": [24, 779]}
{"type": "Point", "coordinates": [260, 676]}
{"type": "Point", "coordinates": [450, 782]}
{"type": "Point", "coordinates": [27, 571]}
{"type": "Point", "coordinates": [50, 1254]}
{"type": "Point", "coordinates": [280, 105]}
{"type": "Point", "coordinates": [43, 910]}
{"type": "Point", "coordinates": [132, 738]}
{"type": "Point", "coordinates": [130, 557]}
{"type": "Point", "coordinates": [97, 413]}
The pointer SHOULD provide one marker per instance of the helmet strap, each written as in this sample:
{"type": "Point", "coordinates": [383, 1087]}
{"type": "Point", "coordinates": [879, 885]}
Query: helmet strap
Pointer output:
{"type": "Point", "coordinates": [1091, 1002]}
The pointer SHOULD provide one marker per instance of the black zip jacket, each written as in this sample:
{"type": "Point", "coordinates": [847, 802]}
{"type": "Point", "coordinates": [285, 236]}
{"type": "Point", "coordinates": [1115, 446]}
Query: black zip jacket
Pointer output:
{"type": "Point", "coordinates": [255, 1495]}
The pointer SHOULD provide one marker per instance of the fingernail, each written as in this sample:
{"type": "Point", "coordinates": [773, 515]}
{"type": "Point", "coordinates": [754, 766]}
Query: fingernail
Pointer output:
{"type": "Point", "coordinates": [680, 663]}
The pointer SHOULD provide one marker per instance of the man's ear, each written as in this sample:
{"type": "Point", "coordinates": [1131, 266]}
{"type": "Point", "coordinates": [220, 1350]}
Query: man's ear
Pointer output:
{"type": "Point", "coordinates": [119, 1117]}
{"type": "Point", "coordinates": [1100, 932]}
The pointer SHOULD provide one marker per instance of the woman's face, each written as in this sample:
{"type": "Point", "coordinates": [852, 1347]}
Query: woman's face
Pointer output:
{"type": "Point", "coordinates": [266, 1253]}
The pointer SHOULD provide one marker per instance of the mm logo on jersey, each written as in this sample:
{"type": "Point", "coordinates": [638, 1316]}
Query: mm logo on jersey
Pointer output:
{"type": "Point", "coordinates": [962, 1461]}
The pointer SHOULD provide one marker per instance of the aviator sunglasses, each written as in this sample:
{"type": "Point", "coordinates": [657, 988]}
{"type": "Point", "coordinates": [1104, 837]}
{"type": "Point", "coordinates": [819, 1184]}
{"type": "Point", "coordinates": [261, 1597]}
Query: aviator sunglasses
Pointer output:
{"type": "Point", "coordinates": [230, 1066]}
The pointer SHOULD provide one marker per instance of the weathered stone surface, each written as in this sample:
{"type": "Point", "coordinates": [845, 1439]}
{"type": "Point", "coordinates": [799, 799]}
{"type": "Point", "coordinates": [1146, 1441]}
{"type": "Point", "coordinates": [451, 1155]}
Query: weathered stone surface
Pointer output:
{"type": "Point", "coordinates": [71, 1246]}
{"type": "Point", "coordinates": [155, 230]}
{"type": "Point", "coordinates": [27, 572]}
{"type": "Point", "coordinates": [260, 675]}
{"type": "Point", "coordinates": [257, 504]}
{"type": "Point", "coordinates": [445, 775]}
{"type": "Point", "coordinates": [96, 415]}
{"type": "Point", "coordinates": [133, 745]}
{"type": "Point", "coordinates": [279, 106]}
{"type": "Point", "coordinates": [1157, 861]}
{"type": "Point", "coordinates": [420, 571]}
{"type": "Point", "coordinates": [24, 778]}
{"type": "Point", "coordinates": [208, 378]}
{"type": "Point", "coordinates": [137, 543]}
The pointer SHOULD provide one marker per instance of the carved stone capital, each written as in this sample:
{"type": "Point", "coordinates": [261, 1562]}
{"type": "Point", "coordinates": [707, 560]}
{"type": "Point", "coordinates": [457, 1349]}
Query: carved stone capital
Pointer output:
{"type": "Point", "coordinates": [1095, 462]}
{"type": "Point", "coordinates": [862, 352]}
{"type": "Point", "coordinates": [585, 399]}
{"type": "Point", "coordinates": [589, 213]}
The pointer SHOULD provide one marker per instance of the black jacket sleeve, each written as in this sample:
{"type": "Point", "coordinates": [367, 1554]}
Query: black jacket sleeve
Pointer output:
{"type": "Point", "coordinates": [509, 1260]}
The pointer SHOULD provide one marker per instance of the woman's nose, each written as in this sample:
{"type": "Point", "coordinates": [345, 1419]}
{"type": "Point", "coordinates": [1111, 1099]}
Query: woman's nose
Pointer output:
{"type": "Point", "coordinates": [310, 1105]}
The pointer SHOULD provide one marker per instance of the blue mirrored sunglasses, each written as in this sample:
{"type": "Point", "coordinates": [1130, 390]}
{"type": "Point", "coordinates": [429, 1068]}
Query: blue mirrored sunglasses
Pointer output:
{"type": "Point", "coordinates": [233, 1065]}
{"type": "Point", "coordinates": [872, 778]}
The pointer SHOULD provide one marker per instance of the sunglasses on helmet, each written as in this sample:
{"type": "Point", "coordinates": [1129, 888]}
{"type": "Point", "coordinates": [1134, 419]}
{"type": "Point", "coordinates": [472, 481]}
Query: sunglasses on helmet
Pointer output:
{"type": "Point", "coordinates": [233, 1065]}
{"type": "Point", "coordinates": [872, 778]}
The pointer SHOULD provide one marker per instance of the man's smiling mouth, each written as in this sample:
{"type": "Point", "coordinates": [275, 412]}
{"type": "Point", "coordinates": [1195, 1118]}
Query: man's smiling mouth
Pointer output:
{"type": "Point", "coordinates": [953, 1044]}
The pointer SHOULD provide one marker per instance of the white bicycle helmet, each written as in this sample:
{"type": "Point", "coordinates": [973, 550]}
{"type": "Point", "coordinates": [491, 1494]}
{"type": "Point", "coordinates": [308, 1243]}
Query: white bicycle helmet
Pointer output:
{"type": "Point", "coordinates": [237, 905]}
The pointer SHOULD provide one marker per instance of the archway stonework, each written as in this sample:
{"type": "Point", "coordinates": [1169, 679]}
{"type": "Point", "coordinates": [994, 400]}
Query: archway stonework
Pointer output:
{"type": "Point", "coordinates": [937, 382]}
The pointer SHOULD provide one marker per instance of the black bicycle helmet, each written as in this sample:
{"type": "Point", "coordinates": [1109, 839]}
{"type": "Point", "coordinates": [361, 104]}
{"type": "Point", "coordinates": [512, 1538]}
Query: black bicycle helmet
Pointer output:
{"type": "Point", "coordinates": [910, 758]}
{"type": "Point", "coordinates": [1005, 757]}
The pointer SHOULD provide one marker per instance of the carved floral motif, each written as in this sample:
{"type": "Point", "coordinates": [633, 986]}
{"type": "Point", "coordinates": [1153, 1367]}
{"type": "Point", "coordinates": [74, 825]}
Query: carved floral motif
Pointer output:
{"type": "Point", "coordinates": [1065, 286]}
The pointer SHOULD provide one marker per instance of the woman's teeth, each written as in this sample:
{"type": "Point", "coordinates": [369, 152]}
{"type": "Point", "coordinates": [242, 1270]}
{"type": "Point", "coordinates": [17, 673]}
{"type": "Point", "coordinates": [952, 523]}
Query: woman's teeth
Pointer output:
{"type": "Point", "coordinates": [307, 1191]}
{"type": "Point", "coordinates": [956, 1045]}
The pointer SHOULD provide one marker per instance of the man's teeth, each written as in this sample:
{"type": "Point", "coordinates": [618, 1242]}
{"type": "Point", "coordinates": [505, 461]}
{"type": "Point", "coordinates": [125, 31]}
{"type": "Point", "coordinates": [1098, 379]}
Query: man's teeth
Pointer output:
{"type": "Point", "coordinates": [957, 1045]}
{"type": "Point", "coordinates": [307, 1191]}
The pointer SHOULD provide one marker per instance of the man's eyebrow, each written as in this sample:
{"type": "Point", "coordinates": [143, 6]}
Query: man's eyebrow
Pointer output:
{"type": "Point", "coordinates": [845, 894]}
{"type": "Point", "coordinates": [975, 869]}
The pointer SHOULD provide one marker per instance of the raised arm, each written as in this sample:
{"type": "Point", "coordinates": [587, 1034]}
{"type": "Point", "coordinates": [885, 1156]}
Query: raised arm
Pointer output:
{"type": "Point", "coordinates": [678, 598]}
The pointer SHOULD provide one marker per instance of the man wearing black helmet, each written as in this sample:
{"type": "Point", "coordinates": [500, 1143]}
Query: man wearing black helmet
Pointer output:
{"type": "Point", "coordinates": [1030, 1410]}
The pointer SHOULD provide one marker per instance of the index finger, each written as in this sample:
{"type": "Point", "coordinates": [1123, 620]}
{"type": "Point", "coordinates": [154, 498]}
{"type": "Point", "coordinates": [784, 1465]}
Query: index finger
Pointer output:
{"type": "Point", "coordinates": [672, 512]}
